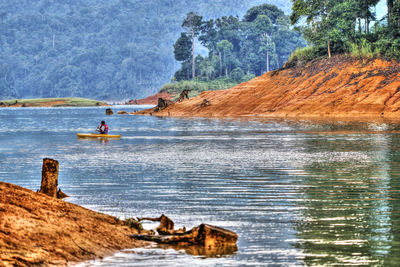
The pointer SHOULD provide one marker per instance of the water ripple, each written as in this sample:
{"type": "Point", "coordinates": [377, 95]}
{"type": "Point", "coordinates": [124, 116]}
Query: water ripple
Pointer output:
{"type": "Point", "coordinates": [297, 193]}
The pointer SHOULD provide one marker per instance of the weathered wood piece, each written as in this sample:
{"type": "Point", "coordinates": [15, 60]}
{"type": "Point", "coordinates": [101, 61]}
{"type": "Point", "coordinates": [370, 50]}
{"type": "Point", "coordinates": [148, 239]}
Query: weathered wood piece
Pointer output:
{"type": "Point", "coordinates": [214, 240]}
{"type": "Point", "coordinates": [61, 194]}
{"type": "Point", "coordinates": [213, 236]}
{"type": "Point", "coordinates": [49, 177]}
{"type": "Point", "coordinates": [162, 104]}
{"type": "Point", "coordinates": [183, 94]}
{"type": "Point", "coordinates": [203, 235]}
{"type": "Point", "coordinates": [205, 103]}
{"type": "Point", "coordinates": [166, 226]}
{"type": "Point", "coordinates": [49, 182]}
{"type": "Point", "coordinates": [109, 111]}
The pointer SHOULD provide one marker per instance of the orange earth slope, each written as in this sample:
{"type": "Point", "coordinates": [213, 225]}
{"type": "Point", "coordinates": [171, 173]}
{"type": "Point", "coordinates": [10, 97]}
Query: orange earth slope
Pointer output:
{"type": "Point", "coordinates": [151, 100]}
{"type": "Point", "coordinates": [37, 230]}
{"type": "Point", "coordinates": [336, 87]}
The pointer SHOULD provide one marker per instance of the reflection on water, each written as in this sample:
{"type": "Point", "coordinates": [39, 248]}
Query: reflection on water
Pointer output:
{"type": "Point", "coordinates": [297, 193]}
{"type": "Point", "coordinates": [204, 251]}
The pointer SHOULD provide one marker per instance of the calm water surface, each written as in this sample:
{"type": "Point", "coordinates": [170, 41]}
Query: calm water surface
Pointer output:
{"type": "Point", "coordinates": [297, 193]}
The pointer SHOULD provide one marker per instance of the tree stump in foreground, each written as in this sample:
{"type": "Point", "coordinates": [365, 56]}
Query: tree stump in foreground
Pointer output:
{"type": "Point", "coordinates": [49, 177]}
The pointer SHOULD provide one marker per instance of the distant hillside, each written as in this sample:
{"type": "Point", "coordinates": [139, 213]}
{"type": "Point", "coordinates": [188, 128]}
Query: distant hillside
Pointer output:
{"type": "Point", "coordinates": [103, 49]}
{"type": "Point", "coordinates": [336, 87]}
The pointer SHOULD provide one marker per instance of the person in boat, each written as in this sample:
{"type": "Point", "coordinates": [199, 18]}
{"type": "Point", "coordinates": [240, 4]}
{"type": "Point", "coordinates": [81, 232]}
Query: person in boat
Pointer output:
{"type": "Point", "coordinates": [102, 128]}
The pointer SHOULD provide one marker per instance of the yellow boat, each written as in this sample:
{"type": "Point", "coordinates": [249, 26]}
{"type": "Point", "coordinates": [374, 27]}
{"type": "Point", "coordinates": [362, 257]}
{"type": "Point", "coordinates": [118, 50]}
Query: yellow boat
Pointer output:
{"type": "Point", "coordinates": [93, 135]}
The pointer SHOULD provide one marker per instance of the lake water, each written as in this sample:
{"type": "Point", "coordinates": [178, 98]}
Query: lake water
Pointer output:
{"type": "Point", "coordinates": [297, 193]}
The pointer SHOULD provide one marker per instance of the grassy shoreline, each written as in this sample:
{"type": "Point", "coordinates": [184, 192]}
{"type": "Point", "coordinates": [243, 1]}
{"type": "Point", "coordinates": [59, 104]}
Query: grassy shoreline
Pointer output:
{"type": "Point", "coordinates": [52, 102]}
{"type": "Point", "coordinates": [198, 86]}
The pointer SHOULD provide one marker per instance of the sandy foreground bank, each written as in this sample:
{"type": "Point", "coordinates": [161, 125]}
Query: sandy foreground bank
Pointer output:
{"type": "Point", "coordinates": [39, 230]}
{"type": "Point", "coordinates": [338, 87]}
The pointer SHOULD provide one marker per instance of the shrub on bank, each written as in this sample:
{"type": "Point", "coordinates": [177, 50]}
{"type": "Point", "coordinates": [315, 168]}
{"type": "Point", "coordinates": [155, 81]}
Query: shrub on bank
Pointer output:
{"type": "Point", "coordinates": [198, 86]}
{"type": "Point", "coordinates": [301, 56]}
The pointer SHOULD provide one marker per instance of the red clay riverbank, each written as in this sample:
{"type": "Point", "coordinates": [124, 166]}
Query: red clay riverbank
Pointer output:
{"type": "Point", "coordinates": [39, 230]}
{"type": "Point", "coordinates": [337, 87]}
{"type": "Point", "coordinates": [151, 100]}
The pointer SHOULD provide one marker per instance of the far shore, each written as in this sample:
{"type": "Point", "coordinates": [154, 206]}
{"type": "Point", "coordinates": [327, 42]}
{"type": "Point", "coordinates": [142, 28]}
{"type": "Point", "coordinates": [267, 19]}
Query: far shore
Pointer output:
{"type": "Point", "coordinates": [52, 102]}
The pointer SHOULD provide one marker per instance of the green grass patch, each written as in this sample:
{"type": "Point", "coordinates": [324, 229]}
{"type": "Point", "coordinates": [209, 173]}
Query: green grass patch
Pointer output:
{"type": "Point", "coordinates": [363, 50]}
{"type": "Point", "coordinates": [68, 102]}
{"type": "Point", "coordinates": [302, 55]}
{"type": "Point", "coordinates": [198, 86]}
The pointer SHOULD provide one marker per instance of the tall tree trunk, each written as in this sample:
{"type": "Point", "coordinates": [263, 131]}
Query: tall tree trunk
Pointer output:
{"type": "Point", "coordinates": [267, 52]}
{"type": "Point", "coordinates": [398, 14]}
{"type": "Point", "coordinates": [220, 64]}
{"type": "Point", "coordinates": [359, 25]}
{"type": "Point", "coordinates": [193, 69]}
{"type": "Point", "coordinates": [390, 11]}
{"type": "Point", "coordinates": [329, 48]}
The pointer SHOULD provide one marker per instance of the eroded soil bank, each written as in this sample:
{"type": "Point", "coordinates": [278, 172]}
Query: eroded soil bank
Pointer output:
{"type": "Point", "coordinates": [337, 87]}
{"type": "Point", "coordinates": [39, 230]}
{"type": "Point", "coordinates": [150, 100]}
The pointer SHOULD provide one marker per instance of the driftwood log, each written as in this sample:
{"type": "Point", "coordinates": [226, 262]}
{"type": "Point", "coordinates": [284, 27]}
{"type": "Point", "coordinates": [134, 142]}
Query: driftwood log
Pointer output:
{"type": "Point", "coordinates": [184, 93]}
{"type": "Point", "coordinates": [162, 104]}
{"type": "Point", "coordinates": [205, 103]}
{"type": "Point", "coordinates": [208, 239]}
{"type": "Point", "coordinates": [166, 226]}
{"type": "Point", "coordinates": [49, 182]}
{"type": "Point", "coordinates": [202, 235]}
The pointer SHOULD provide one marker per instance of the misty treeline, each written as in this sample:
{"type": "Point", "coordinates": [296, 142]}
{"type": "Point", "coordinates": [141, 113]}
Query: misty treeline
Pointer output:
{"type": "Point", "coordinates": [104, 49]}
{"type": "Point", "coordinates": [237, 48]}
{"type": "Point", "coordinates": [346, 26]}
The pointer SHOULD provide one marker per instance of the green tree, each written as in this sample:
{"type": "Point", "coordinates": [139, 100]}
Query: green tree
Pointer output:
{"type": "Point", "coordinates": [254, 44]}
{"type": "Point", "coordinates": [209, 35]}
{"type": "Point", "coordinates": [237, 74]}
{"type": "Point", "coordinates": [394, 14]}
{"type": "Point", "coordinates": [316, 13]}
{"type": "Point", "coordinates": [263, 27]}
{"type": "Point", "coordinates": [192, 24]}
{"type": "Point", "coordinates": [271, 11]}
{"type": "Point", "coordinates": [182, 48]}
{"type": "Point", "coordinates": [225, 49]}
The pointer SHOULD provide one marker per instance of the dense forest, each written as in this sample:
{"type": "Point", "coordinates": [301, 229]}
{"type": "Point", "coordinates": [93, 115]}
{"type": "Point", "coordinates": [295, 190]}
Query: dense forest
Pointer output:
{"type": "Point", "coordinates": [104, 49]}
{"type": "Point", "coordinates": [347, 26]}
{"type": "Point", "coordinates": [237, 48]}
